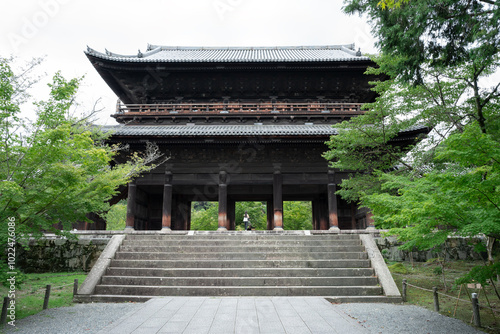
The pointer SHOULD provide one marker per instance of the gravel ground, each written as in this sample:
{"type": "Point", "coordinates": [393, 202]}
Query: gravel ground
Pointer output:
{"type": "Point", "coordinates": [77, 319]}
{"type": "Point", "coordinates": [401, 319]}
{"type": "Point", "coordinates": [376, 318]}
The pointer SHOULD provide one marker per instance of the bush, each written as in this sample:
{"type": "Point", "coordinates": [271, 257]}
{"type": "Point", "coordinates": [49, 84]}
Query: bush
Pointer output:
{"type": "Point", "coordinates": [398, 268]}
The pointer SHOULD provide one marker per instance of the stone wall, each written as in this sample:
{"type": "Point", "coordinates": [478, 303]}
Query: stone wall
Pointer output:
{"type": "Point", "coordinates": [55, 254]}
{"type": "Point", "coordinates": [456, 249]}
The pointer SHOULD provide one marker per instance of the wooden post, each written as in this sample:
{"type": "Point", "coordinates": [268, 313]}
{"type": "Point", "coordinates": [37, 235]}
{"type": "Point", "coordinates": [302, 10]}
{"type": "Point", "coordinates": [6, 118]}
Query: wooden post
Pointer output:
{"type": "Point", "coordinates": [475, 310]}
{"type": "Point", "coordinates": [369, 221]}
{"type": "Point", "coordinates": [436, 299]}
{"type": "Point", "coordinates": [270, 215]}
{"type": "Point", "coordinates": [131, 204]}
{"type": "Point", "coordinates": [3, 318]}
{"type": "Point", "coordinates": [223, 226]}
{"type": "Point", "coordinates": [353, 216]}
{"type": "Point", "coordinates": [404, 290]}
{"type": "Point", "coordinates": [75, 287]}
{"type": "Point", "coordinates": [166, 220]}
{"type": "Point", "coordinates": [231, 213]}
{"type": "Point", "coordinates": [332, 202]}
{"type": "Point", "coordinates": [278, 199]}
{"type": "Point", "coordinates": [47, 296]}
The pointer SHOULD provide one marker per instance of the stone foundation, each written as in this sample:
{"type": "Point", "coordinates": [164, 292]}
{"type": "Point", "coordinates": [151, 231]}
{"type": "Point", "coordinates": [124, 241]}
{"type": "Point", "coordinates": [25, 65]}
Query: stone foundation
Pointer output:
{"type": "Point", "coordinates": [55, 254]}
{"type": "Point", "coordinates": [457, 248]}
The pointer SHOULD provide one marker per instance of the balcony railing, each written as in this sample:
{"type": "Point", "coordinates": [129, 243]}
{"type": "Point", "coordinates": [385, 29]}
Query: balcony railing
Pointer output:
{"type": "Point", "coordinates": [239, 108]}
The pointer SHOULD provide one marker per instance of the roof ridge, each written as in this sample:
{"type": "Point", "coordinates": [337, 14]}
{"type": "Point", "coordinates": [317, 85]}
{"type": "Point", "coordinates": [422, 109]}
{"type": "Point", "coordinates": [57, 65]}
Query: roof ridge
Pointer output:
{"type": "Point", "coordinates": [246, 48]}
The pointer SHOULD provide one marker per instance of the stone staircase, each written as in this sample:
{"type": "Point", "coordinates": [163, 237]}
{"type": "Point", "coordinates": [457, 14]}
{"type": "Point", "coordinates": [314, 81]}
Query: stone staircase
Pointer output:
{"type": "Point", "coordinates": [239, 264]}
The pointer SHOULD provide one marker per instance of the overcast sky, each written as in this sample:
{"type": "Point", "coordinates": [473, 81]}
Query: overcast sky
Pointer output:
{"type": "Point", "coordinates": [60, 30]}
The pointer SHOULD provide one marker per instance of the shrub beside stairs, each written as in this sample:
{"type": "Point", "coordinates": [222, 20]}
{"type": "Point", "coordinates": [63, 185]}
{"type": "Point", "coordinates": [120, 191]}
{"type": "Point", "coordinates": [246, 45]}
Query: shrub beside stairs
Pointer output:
{"type": "Point", "coordinates": [340, 267]}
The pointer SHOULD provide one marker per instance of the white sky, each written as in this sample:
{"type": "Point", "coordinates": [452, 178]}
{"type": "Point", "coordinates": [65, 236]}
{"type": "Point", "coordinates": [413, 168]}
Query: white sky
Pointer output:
{"type": "Point", "coordinates": [60, 30]}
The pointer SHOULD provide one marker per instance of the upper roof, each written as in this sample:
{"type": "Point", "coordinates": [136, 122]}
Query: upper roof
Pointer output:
{"type": "Point", "coordinates": [170, 54]}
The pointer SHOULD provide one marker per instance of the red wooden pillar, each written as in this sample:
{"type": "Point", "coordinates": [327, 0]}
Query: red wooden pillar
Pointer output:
{"type": "Point", "coordinates": [332, 202]}
{"type": "Point", "coordinates": [278, 199]}
{"type": "Point", "coordinates": [223, 222]}
{"type": "Point", "coordinates": [369, 221]}
{"type": "Point", "coordinates": [322, 214]}
{"type": "Point", "coordinates": [166, 221]}
{"type": "Point", "coordinates": [131, 205]}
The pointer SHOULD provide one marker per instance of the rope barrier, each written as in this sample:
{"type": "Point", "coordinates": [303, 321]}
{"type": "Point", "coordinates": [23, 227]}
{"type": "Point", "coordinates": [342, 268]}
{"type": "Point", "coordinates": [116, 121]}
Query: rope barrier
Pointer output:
{"type": "Point", "coordinates": [452, 297]}
{"type": "Point", "coordinates": [45, 288]}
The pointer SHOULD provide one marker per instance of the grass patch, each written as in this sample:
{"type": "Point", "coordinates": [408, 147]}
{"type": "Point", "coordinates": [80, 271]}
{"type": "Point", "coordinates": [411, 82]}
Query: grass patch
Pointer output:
{"type": "Point", "coordinates": [427, 276]}
{"type": "Point", "coordinates": [30, 294]}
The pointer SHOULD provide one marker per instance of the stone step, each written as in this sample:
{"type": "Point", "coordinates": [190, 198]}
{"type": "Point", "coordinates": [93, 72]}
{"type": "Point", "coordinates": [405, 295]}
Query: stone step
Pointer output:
{"type": "Point", "coordinates": [241, 243]}
{"type": "Point", "coordinates": [242, 263]}
{"type": "Point", "coordinates": [240, 249]}
{"type": "Point", "coordinates": [238, 256]}
{"type": "Point", "coordinates": [239, 281]}
{"type": "Point", "coordinates": [237, 291]}
{"type": "Point", "coordinates": [240, 272]}
{"type": "Point", "coordinates": [242, 236]}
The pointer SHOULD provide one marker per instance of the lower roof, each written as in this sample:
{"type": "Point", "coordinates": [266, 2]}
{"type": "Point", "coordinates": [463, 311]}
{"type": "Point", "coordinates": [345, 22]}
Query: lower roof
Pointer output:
{"type": "Point", "coordinates": [220, 130]}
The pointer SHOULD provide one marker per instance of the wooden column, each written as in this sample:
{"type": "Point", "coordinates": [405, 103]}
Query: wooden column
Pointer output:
{"type": "Point", "coordinates": [223, 223]}
{"type": "Point", "coordinates": [131, 204]}
{"type": "Point", "coordinates": [315, 218]}
{"type": "Point", "coordinates": [166, 220]}
{"type": "Point", "coordinates": [369, 221]}
{"type": "Point", "coordinates": [278, 199]}
{"type": "Point", "coordinates": [333, 217]}
{"type": "Point", "coordinates": [353, 215]}
{"type": "Point", "coordinates": [187, 215]}
{"type": "Point", "coordinates": [231, 213]}
{"type": "Point", "coordinates": [270, 215]}
{"type": "Point", "coordinates": [323, 213]}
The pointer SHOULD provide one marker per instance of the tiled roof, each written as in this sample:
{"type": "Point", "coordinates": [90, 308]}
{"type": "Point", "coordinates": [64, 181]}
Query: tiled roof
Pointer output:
{"type": "Point", "coordinates": [220, 130]}
{"type": "Point", "coordinates": [156, 53]}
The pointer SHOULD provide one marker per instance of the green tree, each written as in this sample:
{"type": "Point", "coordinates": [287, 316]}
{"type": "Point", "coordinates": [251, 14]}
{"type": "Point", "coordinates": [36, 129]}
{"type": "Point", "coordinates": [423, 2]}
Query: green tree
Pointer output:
{"type": "Point", "coordinates": [256, 212]}
{"type": "Point", "coordinates": [297, 215]}
{"type": "Point", "coordinates": [116, 216]}
{"type": "Point", "coordinates": [439, 58]}
{"type": "Point", "coordinates": [205, 217]}
{"type": "Point", "coordinates": [55, 169]}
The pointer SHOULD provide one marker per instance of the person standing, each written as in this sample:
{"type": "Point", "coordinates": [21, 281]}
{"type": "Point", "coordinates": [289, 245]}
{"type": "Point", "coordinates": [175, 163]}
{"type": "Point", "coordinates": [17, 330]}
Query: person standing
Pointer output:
{"type": "Point", "coordinates": [246, 220]}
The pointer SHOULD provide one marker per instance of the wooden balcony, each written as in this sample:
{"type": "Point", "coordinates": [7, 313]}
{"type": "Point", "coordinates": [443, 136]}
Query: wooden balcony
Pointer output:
{"type": "Point", "coordinates": [283, 108]}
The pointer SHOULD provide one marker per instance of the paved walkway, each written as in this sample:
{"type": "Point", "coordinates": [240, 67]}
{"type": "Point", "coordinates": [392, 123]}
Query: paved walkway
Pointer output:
{"type": "Point", "coordinates": [261, 315]}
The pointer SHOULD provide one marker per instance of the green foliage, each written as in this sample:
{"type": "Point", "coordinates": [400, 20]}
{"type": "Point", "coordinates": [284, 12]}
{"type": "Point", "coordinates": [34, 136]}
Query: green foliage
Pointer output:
{"type": "Point", "coordinates": [30, 295]}
{"type": "Point", "coordinates": [205, 218]}
{"type": "Point", "coordinates": [116, 216]}
{"type": "Point", "coordinates": [481, 274]}
{"type": "Point", "coordinates": [439, 33]}
{"type": "Point", "coordinates": [256, 212]}
{"type": "Point", "coordinates": [438, 58]}
{"type": "Point", "coordinates": [398, 268]}
{"type": "Point", "coordinates": [297, 216]}
{"type": "Point", "coordinates": [55, 169]}
{"type": "Point", "coordinates": [5, 274]}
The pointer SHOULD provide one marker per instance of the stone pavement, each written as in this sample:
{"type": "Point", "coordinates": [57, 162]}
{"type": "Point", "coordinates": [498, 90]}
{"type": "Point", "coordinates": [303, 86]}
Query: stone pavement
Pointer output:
{"type": "Point", "coordinates": [223, 315]}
